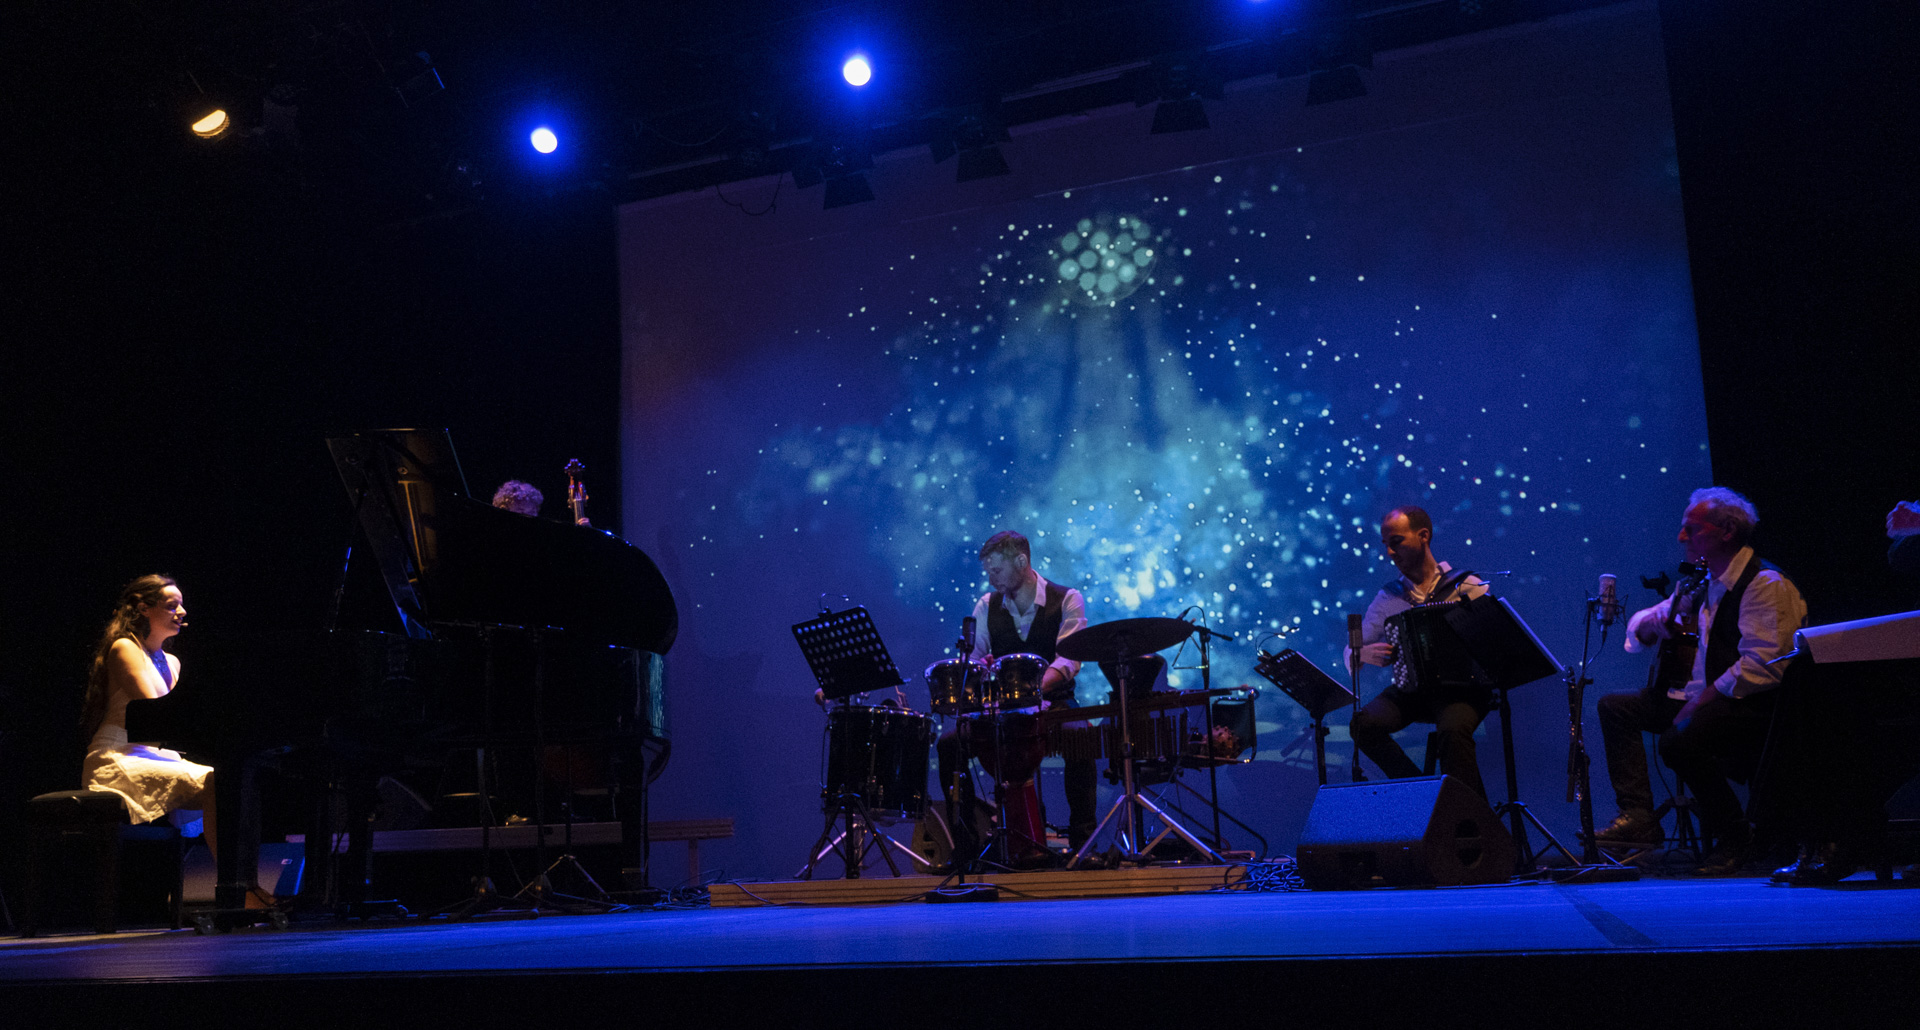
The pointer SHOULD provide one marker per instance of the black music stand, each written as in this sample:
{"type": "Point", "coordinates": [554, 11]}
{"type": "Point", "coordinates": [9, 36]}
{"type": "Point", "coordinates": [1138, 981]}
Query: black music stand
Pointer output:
{"type": "Point", "coordinates": [1313, 690]}
{"type": "Point", "coordinates": [1509, 655]}
{"type": "Point", "coordinates": [847, 657]}
{"type": "Point", "coordinates": [846, 654]}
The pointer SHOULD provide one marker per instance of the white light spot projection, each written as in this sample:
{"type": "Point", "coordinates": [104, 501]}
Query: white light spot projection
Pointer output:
{"type": "Point", "coordinates": [1190, 394]}
{"type": "Point", "coordinates": [1234, 470]}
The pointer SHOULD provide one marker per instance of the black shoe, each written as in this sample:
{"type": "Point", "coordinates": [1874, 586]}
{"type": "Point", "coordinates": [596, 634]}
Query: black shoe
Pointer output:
{"type": "Point", "coordinates": [1635, 827]}
{"type": "Point", "coordinates": [1819, 865]}
{"type": "Point", "coordinates": [1787, 873]}
{"type": "Point", "coordinates": [1726, 860]}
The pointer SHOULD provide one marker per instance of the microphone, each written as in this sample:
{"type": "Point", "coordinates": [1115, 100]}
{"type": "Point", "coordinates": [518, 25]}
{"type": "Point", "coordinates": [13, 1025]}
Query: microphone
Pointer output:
{"type": "Point", "coordinates": [965, 645]}
{"type": "Point", "coordinates": [1353, 639]}
{"type": "Point", "coordinates": [1608, 607]}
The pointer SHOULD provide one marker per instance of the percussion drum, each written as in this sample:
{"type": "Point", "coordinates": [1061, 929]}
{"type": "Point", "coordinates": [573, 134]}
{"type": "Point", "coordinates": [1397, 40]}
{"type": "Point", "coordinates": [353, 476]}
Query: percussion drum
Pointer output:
{"type": "Point", "coordinates": [879, 755]}
{"type": "Point", "coordinates": [1010, 746]}
{"type": "Point", "coordinates": [1016, 680]}
{"type": "Point", "coordinates": [958, 685]}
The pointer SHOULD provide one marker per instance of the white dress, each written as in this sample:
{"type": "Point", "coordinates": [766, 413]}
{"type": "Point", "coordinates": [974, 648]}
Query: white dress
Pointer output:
{"type": "Point", "coordinates": [153, 781]}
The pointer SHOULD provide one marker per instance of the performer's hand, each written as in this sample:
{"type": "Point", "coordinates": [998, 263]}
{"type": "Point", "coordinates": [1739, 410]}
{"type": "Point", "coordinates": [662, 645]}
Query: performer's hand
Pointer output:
{"type": "Point", "coordinates": [820, 697]}
{"type": "Point", "coordinates": [1685, 714]}
{"type": "Point", "coordinates": [1053, 681]}
{"type": "Point", "coordinates": [1376, 654]}
{"type": "Point", "coordinates": [583, 521]}
{"type": "Point", "coordinates": [1904, 519]}
{"type": "Point", "coordinates": [1652, 631]}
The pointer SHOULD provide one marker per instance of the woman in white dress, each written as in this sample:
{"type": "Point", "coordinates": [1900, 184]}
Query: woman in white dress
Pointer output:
{"type": "Point", "coordinates": [131, 661]}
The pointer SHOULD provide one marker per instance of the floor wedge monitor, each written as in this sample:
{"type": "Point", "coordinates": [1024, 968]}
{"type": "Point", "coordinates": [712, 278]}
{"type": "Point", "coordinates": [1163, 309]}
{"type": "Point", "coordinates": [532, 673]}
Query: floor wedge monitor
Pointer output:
{"type": "Point", "coordinates": [1428, 831]}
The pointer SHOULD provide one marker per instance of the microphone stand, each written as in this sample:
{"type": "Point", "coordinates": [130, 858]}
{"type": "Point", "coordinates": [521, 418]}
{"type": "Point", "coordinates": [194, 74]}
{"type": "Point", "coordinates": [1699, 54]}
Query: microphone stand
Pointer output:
{"type": "Point", "coordinates": [1598, 864]}
{"type": "Point", "coordinates": [1213, 767]}
{"type": "Point", "coordinates": [1353, 687]}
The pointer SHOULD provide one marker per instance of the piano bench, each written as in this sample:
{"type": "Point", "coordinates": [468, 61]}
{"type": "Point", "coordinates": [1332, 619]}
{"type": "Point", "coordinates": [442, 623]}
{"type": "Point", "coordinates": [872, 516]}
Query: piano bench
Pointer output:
{"type": "Point", "coordinates": [94, 823]}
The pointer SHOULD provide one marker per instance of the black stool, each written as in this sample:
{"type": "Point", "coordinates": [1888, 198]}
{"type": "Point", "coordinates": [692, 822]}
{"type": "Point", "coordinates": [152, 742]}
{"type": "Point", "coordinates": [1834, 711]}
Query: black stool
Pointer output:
{"type": "Point", "coordinates": [95, 823]}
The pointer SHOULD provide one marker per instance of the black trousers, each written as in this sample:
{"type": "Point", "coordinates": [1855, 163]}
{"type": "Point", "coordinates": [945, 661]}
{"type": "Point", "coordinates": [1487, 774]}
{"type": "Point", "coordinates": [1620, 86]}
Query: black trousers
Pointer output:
{"type": "Point", "coordinates": [1373, 729]}
{"type": "Point", "coordinates": [1721, 740]}
{"type": "Point", "coordinates": [1083, 792]}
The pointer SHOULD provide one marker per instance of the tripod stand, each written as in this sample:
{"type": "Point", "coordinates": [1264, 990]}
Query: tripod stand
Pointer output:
{"type": "Point", "coordinates": [1598, 864]}
{"type": "Point", "coordinates": [860, 834]}
{"type": "Point", "coordinates": [1515, 810]}
{"type": "Point", "coordinates": [1120, 641]}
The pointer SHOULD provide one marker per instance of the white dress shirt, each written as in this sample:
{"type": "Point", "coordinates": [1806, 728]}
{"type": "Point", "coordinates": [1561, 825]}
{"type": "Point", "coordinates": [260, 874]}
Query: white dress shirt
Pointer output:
{"type": "Point", "coordinates": [1073, 618]}
{"type": "Point", "coordinates": [1770, 613]}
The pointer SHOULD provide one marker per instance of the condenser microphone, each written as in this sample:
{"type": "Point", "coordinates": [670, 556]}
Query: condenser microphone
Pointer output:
{"type": "Point", "coordinates": [1609, 605]}
{"type": "Point", "coordinates": [966, 634]}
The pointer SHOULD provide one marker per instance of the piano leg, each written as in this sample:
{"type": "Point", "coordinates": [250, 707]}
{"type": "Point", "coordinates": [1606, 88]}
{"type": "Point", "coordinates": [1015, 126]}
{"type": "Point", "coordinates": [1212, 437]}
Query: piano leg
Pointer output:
{"type": "Point", "coordinates": [237, 866]}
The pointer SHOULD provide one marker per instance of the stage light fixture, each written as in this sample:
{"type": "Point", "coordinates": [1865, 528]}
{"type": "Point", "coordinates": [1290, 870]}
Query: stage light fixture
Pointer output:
{"type": "Point", "coordinates": [857, 70]}
{"type": "Point", "coordinates": [1179, 84]}
{"type": "Point", "coordinates": [544, 140]}
{"type": "Point", "coordinates": [841, 166]}
{"type": "Point", "coordinates": [212, 125]}
{"type": "Point", "coordinates": [1338, 54]}
{"type": "Point", "coordinates": [847, 189]}
{"type": "Point", "coordinates": [973, 133]}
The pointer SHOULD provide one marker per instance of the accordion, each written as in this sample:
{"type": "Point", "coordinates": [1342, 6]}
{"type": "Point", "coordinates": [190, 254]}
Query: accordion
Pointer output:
{"type": "Point", "coordinates": [1429, 656]}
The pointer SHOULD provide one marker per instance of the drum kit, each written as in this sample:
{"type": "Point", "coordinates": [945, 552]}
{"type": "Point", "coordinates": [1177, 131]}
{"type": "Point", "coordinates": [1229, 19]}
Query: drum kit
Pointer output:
{"type": "Point", "coordinates": [876, 760]}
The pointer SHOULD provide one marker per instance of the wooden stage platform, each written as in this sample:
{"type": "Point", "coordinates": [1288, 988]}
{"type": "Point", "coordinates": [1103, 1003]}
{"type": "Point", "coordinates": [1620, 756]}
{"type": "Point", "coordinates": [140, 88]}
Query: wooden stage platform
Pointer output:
{"type": "Point", "coordinates": [1052, 884]}
{"type": "Point", "coordinates": [1698, 953]}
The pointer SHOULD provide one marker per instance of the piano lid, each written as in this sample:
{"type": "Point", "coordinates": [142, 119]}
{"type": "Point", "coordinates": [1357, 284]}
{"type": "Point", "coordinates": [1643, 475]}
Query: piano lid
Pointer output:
{"type": "Point", "coordinates": [448, 558]}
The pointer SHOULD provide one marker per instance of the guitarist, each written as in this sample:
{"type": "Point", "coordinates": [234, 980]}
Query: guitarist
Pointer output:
{"type": "Point", "coordinates": [1743, 612]}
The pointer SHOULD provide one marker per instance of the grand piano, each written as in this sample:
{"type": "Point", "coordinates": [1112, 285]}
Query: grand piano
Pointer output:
{"type": "Point", "coordinates": [507, 632]}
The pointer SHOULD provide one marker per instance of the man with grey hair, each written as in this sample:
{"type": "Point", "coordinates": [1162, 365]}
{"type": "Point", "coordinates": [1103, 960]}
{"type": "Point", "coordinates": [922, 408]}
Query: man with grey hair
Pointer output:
{"type": "Point", "coordinates": [1713, 726]}
{"type": "Point", "coordinates": [519, 498]}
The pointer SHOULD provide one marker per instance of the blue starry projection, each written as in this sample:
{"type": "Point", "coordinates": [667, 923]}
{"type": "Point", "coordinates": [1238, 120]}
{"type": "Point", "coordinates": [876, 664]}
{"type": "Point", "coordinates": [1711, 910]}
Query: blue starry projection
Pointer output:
{"type": "Point", "coordinates": [1194, 389]}
{"type": "Point", "coordinates": [1144, 394]}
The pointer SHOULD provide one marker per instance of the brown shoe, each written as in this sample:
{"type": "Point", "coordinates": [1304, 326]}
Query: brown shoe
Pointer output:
{"type": "Point", "coordinates": [1633, 827]}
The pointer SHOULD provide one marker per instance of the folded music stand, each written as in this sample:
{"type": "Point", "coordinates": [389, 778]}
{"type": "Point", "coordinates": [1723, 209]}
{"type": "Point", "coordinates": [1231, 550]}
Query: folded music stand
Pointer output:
{"type": "Point", "coordinates": [1315, 691]}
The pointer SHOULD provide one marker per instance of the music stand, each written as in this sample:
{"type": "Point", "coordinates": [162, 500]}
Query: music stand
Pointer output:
{"type": "Point", "coordinates": [1509, 655]}
{"type": "Point", "coordinates": [847, 657]}
{"type": "Point", "coordinates": [846, 654]}
{"type": "Point", "coordinates": [1313, 690]}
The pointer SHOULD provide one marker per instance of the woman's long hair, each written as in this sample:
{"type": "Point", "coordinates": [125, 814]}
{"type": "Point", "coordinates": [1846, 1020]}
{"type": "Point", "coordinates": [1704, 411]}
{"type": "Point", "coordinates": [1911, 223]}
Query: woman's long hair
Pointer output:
{"type": "Point", "coordinates": [130, 621]}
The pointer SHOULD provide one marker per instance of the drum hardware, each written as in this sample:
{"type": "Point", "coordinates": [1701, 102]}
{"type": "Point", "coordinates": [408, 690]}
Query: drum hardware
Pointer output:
{"type": "Point", "coordinates": [872, 751]}
{"type": "Point", "coordinates": [1121, 640]}
{"type": "Point", "coordinates": [875, 774]}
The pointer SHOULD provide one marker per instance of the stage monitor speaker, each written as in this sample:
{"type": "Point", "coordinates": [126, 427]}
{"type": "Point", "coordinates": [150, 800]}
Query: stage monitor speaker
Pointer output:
{"type": "Point", "coordinates": [1427, 831]}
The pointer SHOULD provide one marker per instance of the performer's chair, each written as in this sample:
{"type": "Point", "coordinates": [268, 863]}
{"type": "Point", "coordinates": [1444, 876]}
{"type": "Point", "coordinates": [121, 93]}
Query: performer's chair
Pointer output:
{"type": "Point", "coordinates": [94, 823]}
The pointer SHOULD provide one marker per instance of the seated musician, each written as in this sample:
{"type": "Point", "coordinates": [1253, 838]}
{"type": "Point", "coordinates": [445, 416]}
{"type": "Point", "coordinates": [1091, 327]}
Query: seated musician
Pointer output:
{"type": "Point", "coordinates": [519, 498]}
{"type": "Point", "coordinates": [1023, 613]}
{"type": "Point", "coordinates": [1407, 534]}
{"type": "Point", "coordinates": [1747, 617]}
{"type": "Point", "coordinates": [131, 662]}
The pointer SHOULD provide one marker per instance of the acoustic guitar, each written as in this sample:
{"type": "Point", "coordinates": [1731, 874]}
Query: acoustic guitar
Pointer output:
{"type": "Point", "coordinates": [1673, 663]}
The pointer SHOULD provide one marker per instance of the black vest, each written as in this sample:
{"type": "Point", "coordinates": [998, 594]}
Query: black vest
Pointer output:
{"type": "Point", "coordinates": [1003, 636]}
{"type": "Point", "coordinates": [1723, 637]}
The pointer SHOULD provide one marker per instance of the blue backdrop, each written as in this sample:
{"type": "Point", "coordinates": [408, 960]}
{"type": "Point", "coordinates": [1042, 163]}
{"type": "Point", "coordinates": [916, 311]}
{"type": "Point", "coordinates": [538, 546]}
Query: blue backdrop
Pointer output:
{"type": "Point", "coordinates": [1194, 370]}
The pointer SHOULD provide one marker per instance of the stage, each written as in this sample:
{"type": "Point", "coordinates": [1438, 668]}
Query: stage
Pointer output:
{"type": "Point", "coordinates": [1709, 952]}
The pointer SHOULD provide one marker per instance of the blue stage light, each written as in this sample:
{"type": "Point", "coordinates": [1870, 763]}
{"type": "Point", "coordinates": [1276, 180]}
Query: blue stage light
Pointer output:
{"type": "Point", "coordinates": [544, 140]}
{"type": "Point", "coordinates": [857, 71]}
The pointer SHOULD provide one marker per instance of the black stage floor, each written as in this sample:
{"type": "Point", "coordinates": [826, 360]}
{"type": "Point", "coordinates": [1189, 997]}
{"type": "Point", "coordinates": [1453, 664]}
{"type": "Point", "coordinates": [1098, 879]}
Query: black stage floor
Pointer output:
{"type": "Point", "coordinates": [1656, 952]}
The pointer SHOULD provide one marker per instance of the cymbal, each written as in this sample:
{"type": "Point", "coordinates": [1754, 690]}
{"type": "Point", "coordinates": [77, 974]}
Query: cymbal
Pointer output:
{"type": "Point", "coordinates": [1136, 637]}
